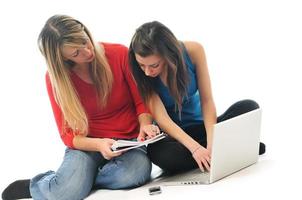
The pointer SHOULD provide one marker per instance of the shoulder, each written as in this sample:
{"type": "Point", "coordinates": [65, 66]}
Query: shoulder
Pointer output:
{"type": "Point", "coordinates": [116, 54]}
{"type": "Point", "coordinates": [114, 48]}
{"type": "Point", "coordinates": [192, 46]}
{"type": "Point", "coordinates": [48, 84]}
{"type": "Point", "coordinates": [47, 78]}
{"type": "Point", "coordinates": [195, 50]}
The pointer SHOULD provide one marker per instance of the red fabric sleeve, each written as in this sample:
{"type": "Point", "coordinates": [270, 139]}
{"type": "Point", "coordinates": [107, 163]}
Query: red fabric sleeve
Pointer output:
{"type": "Point", "coordinates": [138, 102]}
{"type": "Point", "coordinates": [67, 134]}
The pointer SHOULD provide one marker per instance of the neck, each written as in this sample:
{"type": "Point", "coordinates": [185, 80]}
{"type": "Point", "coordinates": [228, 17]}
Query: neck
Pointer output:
{"type": "Point", "coordinates": [81, 67]}
{"type": "Point", "coordinates": [164, 76]}
{"type": "Point", "coordinates": [82, 70]}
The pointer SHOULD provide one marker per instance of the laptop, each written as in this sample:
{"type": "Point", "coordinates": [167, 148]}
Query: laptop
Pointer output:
{"type": "Point", "coordinates": [235, 146]}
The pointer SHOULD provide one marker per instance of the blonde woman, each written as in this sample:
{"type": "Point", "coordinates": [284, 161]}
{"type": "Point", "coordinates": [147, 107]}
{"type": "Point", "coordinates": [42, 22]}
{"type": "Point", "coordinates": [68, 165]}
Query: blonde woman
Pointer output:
{"type": "Point", "coordinates": [173, 79]}
{"type": "Point", "coordinates": [94, 100]}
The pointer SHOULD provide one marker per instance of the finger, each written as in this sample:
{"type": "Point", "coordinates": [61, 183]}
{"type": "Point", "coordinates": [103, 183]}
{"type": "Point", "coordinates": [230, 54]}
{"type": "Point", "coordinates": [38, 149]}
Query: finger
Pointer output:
{"type": "Point", "coordinates": [149, 132]}
{"type": "Point", "coordinates": [111, 141]}
{"type": "Point", "coordinates": [157, 130]}
{"type": "Point", "coordinates": [208, 158]}
{"type": "Point", "coordinates": [154, 130]}
{"type": "Point", "coordinates": [106, 157]}
{"type": "Point", "coordinates": [113, 154]}
{"type": "Point", "coordinates": [153, 134]}
{"type": "Point", "coordinates": [117, 153]}
{"type": "Point", "coordinates": [140, 138]}
{"type": "Point", "coordinates": [206, 164]}
{"type": "Point", "coordinates": [207, 155]}
{"type": "Point", "coordinates": [200, 165]}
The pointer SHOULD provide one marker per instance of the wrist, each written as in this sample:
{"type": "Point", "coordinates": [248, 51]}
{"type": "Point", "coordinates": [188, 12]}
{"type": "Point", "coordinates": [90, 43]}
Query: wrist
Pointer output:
{"type": "Point", "coordinates": [144, 119]}
{"type": "Point", "coordinates": [196, 149]}
{"type": "Point", "coordinates": [193, 145]}
{"type": "Point", "coordinates": [100, 144]}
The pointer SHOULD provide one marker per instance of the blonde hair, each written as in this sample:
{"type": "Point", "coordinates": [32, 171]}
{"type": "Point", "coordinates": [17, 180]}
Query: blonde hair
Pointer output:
{"type": "Point", "coordinates": [60, 31]}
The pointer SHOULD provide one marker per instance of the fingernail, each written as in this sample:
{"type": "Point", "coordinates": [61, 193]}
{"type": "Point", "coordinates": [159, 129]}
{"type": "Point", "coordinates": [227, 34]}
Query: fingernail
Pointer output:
{"type": "Point", "coordinates": [142, 139]}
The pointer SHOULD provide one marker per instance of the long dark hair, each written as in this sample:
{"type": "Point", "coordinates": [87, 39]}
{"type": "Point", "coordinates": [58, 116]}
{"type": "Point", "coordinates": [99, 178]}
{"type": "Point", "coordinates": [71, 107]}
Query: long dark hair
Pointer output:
{"type": "Point", "coordinates": [155, 38]}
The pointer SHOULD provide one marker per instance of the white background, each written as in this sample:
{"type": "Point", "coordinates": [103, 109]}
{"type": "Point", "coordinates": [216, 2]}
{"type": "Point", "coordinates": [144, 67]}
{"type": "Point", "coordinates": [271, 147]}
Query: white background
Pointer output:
{"type": "Point", "coordinates": [253, 50]}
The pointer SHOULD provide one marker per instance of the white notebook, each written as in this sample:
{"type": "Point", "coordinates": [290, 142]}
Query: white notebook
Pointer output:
{"type": "Point", "coordinates": [124, 145]}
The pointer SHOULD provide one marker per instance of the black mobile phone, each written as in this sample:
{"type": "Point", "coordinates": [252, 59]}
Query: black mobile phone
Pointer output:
{"type": "Point", "coordinates": [154, 190]}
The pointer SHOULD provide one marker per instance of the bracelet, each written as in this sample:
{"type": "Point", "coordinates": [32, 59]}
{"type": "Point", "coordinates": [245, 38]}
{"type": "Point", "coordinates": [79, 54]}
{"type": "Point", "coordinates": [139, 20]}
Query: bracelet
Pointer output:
{"type": "Point", "coordinates": [195, 150]}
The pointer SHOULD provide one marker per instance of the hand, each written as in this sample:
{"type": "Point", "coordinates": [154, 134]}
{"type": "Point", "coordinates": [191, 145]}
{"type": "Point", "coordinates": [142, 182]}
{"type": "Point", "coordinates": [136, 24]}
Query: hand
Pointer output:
{"type": "Point", "coordinates": [147, 131]}
{"type": "Point", "coordinates": [209, 145]}
{"type": "Point", "coordinates": [209, 148]}
{"type": "Point", "coordinates": [105, 148]}
{"type": "Point", "coordinates": [203, 157]}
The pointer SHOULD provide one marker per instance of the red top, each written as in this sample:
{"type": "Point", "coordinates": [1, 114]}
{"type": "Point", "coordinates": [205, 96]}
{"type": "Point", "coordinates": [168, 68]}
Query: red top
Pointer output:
{"type": "Point", "coordinates": [119, 119]}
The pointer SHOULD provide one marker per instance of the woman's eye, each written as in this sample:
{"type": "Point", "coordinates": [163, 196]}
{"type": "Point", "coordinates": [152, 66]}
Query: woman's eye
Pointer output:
{"type": "Point", "coordinates": [76, 53]}
{"type": "Point", "coordinates": [85, 41]}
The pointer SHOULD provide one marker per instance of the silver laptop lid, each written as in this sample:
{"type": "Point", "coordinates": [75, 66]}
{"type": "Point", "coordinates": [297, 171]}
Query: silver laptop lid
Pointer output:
{"type": "Point", "coordinates": [235, 144]}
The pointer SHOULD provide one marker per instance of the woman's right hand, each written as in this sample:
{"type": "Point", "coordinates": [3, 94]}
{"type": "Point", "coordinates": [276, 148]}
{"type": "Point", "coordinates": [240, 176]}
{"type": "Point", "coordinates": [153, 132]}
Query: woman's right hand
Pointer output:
{"type": "Point", "coordinates": [203, 157]}
{"type": "Point", "coordinates": [105, 148]}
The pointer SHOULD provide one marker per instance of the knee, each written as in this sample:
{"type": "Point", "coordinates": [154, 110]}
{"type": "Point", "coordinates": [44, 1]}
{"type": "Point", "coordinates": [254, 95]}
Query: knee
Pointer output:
{"type": "Point", "coordinates": [154, 153]}
{"type": "Point", "coordinates": [249, 104]}
{"type": "Point", "coordinates": [131, 171]}
{"type": "Point", "coordinates": [161, 151]}
{"type": "Point", "coordinates": [73, 180]}
{"type": "Point", "coordinates": [158, 156]}
{"type": "Point", "coordinates": [136, 172]}
{"type": "Point", "coordinates": [165, 159]}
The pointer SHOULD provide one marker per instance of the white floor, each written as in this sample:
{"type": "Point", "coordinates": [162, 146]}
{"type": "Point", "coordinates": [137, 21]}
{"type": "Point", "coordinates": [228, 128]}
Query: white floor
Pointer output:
{"type": "Point", "coordinates": [253, 51]}
{"type": "Point", "coordinates": [266, 179]}
{"type": "Point", "coordinates": [276, 175]}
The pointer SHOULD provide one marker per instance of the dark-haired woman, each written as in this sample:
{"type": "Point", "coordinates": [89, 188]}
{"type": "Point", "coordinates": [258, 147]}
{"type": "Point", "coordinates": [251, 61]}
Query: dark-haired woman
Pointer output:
{"type": "Point", "coordinates": [173, 79]}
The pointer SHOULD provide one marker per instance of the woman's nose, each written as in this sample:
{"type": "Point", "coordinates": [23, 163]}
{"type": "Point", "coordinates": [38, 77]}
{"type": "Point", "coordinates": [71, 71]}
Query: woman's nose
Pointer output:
{"type": "Point", "coordinates": [148, 71]}
{"type": "Point", "coordinates": [87, 51]}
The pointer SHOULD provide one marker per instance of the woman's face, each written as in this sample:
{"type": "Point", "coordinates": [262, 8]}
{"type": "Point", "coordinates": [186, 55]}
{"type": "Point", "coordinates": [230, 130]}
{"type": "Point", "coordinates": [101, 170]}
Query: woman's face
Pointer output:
{"type": "Point", "coordinates": [152, 65]}
{"type": "Point", "coordinates": [79, 55]}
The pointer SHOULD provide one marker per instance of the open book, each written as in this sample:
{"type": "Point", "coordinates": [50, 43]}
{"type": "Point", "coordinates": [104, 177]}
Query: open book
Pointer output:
{"type": "Point", "coordinates": [124, 145]}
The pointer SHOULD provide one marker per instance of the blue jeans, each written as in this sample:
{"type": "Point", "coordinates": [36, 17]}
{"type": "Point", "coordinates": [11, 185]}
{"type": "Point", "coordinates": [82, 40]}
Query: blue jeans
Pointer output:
{"type": "Point", "coordinates": [81, 171]}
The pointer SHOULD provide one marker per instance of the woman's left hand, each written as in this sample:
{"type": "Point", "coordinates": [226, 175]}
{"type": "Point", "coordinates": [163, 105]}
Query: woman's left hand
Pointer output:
{"type": "Point", "coordinates": [203, 158]}
{"type": "Point", "coordinates": [147, 132]}
{"type": "Point", "coordinates": [209, 148]}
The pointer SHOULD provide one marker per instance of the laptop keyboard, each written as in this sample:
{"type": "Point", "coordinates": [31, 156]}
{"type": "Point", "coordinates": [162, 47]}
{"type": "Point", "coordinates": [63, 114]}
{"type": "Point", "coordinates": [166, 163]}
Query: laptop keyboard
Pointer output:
{"type": "Point", "coordinates": [194, 178]}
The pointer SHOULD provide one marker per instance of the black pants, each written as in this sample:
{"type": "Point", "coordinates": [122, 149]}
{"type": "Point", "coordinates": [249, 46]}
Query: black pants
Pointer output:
{"type": "Point", "coordinates": [172, 156]}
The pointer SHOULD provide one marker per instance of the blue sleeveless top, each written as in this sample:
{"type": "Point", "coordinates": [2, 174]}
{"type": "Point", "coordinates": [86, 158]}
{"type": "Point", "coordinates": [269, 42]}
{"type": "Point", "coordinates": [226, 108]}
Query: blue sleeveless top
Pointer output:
{"type": "Point", "coordinates": [191, 113]}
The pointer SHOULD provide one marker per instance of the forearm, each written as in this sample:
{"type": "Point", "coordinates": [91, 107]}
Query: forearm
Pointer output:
{"type": "Point", "coordinates": [86, 143]}
{"type": "Point", "coordinates": [173, 130]}
{"type": "Point", "coordinates": [144, 119]}
{"type": "Point", "coordinates": [210, 118]}
{"type": "Point", "coordinates": [167, 125]}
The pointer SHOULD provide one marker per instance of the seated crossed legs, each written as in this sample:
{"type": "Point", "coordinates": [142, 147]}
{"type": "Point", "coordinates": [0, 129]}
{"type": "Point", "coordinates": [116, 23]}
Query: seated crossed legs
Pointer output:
{"type": "Point", "coordinates": [161, 151]}
{"type": "Point", "coordinates": [80, 172]}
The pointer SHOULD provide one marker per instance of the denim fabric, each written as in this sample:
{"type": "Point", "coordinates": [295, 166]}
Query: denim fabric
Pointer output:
{"type": "Point", "coordinates": [80, 171]}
